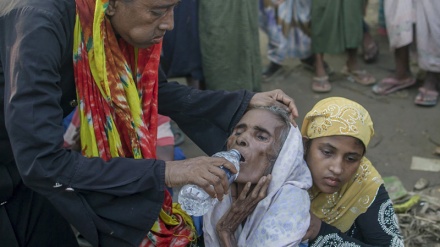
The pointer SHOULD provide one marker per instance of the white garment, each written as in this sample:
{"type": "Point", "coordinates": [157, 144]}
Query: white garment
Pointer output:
{"type": "Point", "coordinates": [280, 219]}
{"type": "Point", "coordinates": [399, 18]}
{"type": "Point", "coordinates": [400, 15]}
{"type": "Point", "coordinates": [428, 34]}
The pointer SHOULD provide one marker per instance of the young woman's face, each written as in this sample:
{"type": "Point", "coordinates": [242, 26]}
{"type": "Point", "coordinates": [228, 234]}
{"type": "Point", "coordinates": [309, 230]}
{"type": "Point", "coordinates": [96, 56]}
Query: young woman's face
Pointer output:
{"type": "Point", "coordinates": [256, 138]}
{"type": "Point", "coordinates": [333, 161]}
{"type": "Point", "coordinates": [142, 23]}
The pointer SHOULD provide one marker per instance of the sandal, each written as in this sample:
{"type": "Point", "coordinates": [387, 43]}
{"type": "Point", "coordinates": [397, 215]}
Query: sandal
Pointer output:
{"type": "Point", "coordinates": [371, 52]}
{"type": "Point", "coordinates": [360, 76]}
{"type": "Point", "coordinates": [321, 84]}
{"type": "Point", "coordinates": [391, 84]}
{"type": "Point", "coordinates": [426, 97]}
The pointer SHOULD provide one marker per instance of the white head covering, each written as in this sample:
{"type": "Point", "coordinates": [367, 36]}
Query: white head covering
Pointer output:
{"type": "Point", "coordinates": [280, 219]}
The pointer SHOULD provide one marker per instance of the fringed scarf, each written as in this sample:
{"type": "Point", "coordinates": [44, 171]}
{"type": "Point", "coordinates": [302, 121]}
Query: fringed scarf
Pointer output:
{"type": "Point", "coordinates": [117, 88]}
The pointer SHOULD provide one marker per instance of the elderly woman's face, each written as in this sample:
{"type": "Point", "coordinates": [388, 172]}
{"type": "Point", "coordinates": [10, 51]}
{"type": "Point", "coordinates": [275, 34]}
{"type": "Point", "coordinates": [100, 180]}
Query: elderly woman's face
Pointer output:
{"type": "Point", "coordinates": [256, 138]}
{"type": "Point", "coordinates": [333, 161]}
{"type": "Point", "coordinates": [141, 23]}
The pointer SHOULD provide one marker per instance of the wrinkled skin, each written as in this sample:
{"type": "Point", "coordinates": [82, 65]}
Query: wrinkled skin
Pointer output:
{"type": "Point", "coordinates": [141, 23]}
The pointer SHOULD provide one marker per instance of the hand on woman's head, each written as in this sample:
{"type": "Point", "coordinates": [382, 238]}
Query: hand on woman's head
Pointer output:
{"type": "Point", "coordinates": [276, 98]}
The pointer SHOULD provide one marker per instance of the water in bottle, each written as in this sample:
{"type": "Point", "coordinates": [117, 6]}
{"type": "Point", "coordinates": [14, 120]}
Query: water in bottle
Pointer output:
{"type": "Point", "coordinates": [194, 200]}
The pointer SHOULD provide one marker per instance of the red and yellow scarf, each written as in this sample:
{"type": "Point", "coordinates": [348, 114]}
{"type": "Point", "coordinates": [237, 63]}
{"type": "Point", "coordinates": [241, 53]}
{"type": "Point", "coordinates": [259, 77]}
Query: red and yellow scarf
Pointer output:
{"type": "Point", "coordinates": [117, 88]}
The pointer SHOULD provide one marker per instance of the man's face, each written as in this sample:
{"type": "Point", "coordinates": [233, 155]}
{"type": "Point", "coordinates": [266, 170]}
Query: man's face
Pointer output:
{"type": "Point", "coordinates": [141, 23]}
{"type": "Point", "coordinates": [256, 138]}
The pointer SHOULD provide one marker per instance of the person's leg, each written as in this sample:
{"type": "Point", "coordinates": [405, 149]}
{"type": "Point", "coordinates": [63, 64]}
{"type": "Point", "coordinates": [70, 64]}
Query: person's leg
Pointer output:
{"type": "Point", "coordinates": [320, 83]}
{"type": "Point", "coordinates": [319, 65]}
{"type": "Point", "coordinates": [352, 63]}
{"type": "Point", "coordinates": [353, 72]}
{"type": "Point", "coordinates": [401, 59]}
{"type": "Point", "coordinates": [402, 77]}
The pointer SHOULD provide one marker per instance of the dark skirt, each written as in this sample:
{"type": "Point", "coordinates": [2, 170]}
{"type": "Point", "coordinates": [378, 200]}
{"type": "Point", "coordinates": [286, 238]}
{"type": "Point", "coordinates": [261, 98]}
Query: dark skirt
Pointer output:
{"type": "Point", "coordinates": [181, 47]}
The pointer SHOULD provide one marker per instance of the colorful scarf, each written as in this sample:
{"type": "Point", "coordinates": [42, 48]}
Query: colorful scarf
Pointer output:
{"type": "Point", "coordinates": [117, 88]}
{"type": "Point", "coordinates": [340, 116]}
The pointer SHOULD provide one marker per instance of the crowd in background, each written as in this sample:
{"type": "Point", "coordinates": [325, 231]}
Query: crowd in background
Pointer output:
{"type": "Point", "coordinates": [307, 30]}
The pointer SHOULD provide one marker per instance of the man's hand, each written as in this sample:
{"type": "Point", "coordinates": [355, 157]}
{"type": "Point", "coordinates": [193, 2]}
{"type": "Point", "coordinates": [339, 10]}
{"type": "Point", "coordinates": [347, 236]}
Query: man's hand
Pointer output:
{"type": "Point", "coordinates": [277, 98]}
{"type": "Point", "coordinates": [315, 226]}
{"type": "Point", "coordinates": [202, 171]}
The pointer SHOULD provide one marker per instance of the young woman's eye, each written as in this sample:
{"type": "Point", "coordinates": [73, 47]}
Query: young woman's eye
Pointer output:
{"type": "Point", "coordinates": [352, 159]}
{"type": "Point", "coordinates": [326, 152]}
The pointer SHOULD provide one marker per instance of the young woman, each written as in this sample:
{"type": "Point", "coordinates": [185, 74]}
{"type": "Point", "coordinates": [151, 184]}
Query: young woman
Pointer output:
{"type": "Point", "coordinates": [349, 204]}
{"type": "Point", "coordinates": [259, 209]}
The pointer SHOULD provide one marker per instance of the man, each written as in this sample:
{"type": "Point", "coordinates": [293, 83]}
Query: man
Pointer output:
{"type": "Point", "coordinates": [103, 56]}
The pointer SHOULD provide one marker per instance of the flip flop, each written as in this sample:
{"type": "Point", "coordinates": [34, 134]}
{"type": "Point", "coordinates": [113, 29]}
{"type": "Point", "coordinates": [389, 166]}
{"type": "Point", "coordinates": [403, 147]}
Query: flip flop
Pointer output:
{"type": "Point", "coordinates": [360, 76]}
{"type": "Point", "coordinates": [321, 84]}
{"type": "Point", "coordinates": [390, 85]}
{"type": "Point", "coordinates": [426, 97]}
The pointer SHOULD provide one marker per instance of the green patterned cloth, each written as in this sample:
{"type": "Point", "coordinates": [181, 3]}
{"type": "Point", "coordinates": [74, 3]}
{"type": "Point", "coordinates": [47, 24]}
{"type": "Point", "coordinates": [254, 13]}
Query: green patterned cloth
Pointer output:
{"type": "Point", "coordinates": [336, 25]}
{"type": "Point", "coordinates": [229, 41]}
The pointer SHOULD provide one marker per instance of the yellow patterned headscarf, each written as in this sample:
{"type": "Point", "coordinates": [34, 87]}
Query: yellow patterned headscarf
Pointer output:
{"type": "Point", "coordinates": [340, 116]}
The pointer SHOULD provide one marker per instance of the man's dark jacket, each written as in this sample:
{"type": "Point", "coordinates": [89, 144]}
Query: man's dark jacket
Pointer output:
{"type": "Point", "coordinates": [111, 203]}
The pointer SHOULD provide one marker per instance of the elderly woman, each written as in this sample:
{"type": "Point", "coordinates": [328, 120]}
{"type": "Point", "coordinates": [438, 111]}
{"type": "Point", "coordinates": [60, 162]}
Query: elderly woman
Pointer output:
{"type": "Point", "coordinates": [350, 206]}
{"type": "Point", "coordinates": [273, 164]}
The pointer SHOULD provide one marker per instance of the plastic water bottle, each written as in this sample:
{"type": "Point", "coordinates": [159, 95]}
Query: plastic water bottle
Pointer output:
{"type": "Point", "coordinates": [194, 200]}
